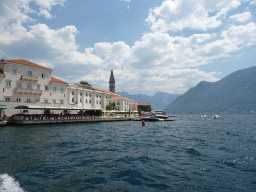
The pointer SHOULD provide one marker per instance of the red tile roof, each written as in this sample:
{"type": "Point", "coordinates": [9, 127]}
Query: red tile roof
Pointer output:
{"type": "Point", "coordinates": [24, 62]}
{"type": "Point", "coordinates": [143, 103]}
{"type": "Point", "coordinates": [86, 86]}
{"type": "Point", "coordinates": [53, 79]}
{"type": "Point", "coordinates": [120, 98]}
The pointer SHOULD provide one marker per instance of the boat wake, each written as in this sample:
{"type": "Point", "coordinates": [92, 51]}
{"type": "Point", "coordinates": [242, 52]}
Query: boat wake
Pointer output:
{"type": "Point", "coordinates": [7, 184]}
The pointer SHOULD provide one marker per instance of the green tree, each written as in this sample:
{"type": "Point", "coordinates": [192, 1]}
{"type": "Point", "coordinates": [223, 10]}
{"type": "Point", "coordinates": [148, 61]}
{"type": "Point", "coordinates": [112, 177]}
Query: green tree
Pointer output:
{"type": "Point", "coordinates": [111, 106]}
{"type": "Point", "coordinates": [108, 107]}
{"type": "Point", "coordinates": [85, 83]}
{"type": "Point", "coordinates": [146, 108]}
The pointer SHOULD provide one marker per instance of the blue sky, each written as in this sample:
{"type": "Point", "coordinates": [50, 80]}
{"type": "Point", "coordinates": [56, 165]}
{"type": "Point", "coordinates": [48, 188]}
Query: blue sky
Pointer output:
{"type": "Point", "coordinates": [152, 45]}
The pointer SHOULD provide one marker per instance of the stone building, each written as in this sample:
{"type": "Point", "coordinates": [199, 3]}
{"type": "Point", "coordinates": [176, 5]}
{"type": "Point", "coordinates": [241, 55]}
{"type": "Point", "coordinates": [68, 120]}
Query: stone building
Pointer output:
{"type": "Point", "coordinates": [23, 83]}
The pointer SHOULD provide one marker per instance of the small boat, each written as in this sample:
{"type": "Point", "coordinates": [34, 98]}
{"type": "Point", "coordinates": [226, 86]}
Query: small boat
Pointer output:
{"type": "Point", "coordinates": [216, 117]}
{"type": "Point", "coordinates": [203, 116]}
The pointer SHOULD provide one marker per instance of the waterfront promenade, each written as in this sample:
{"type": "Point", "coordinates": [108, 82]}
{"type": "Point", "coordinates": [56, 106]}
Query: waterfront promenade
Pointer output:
{"type": "Point", "coordinates": [38, 120]}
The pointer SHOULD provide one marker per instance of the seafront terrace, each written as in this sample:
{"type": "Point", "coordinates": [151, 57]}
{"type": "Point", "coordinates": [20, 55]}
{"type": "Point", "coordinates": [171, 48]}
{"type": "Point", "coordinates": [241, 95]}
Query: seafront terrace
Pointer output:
{"type": "Point", "coordinates": [36, 119]}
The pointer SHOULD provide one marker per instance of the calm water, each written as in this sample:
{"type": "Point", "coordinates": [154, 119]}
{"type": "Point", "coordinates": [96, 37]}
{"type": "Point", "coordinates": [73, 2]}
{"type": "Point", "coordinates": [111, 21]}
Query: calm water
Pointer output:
{"type": "Point", "coordinates": [189, 154]}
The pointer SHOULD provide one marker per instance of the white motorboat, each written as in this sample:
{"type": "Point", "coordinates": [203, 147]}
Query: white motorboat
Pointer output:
{"type": "Point", "coordinates": [159, 114]}
{"type": "Point", "coordinates": [216, 117]}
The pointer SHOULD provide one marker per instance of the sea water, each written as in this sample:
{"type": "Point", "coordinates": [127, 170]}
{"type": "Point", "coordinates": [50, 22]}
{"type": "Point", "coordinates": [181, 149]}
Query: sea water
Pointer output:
{"type": "Point", "coordinates": [188, 154]}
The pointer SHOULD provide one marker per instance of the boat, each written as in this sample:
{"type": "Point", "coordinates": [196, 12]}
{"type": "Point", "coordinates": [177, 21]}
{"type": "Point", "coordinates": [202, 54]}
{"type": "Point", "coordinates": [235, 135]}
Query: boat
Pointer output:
{"type": "Point", "coordinates": [216, 117]}
{"type": "Point", "coordinates": [203, 116]}
{"type": "Point", "coordinates": [150, 119]}
{"type": "Point", "coordinates": [159, 114]}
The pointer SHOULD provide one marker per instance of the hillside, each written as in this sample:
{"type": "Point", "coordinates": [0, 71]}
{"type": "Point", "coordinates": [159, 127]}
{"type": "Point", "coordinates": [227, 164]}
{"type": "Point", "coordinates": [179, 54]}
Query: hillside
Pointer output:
{"type": "Point", "coordinates": [159, 101]}
{"type": "Point", "coordinates": [234, 92]}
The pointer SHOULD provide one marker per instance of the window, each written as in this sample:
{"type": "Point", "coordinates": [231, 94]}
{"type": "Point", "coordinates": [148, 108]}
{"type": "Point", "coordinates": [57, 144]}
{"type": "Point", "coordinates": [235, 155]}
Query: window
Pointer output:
{"type": "Point", "coordinates": [14, 71]}
{"type": "Point", "coordinates": [80, 100]}
{"type": "Point", "coordinates": [54, 88]}
{"type": "Point", "coordinates": [90, 101]}
{"type": "Point", "coordinates": [90, 95]}
{"type": "Point", "coordinates": [61, 101]}
{"type": "Point", "coordinates": [86, 94]}
{"type": "Point", "coordinates": [96, 95]}
{"type": "Point", "coordinates": [86, 101]}
{"type": "Point", "coordinates": [30, 73]}
{"type": "Point", "coordinates": [81, 94]}
{"type": "Point", "coordinates": [96, 101]}
{"type": "Point", "coordinates": [37, 100]}
{"type": "Point", "coordinates": [28, 100]}
{"type": "Point", "coordinates": [38, 86]}
{"type": "Point", "coordinates": [73, 100]}
{"type": "Point", "coordinates": [61, 89]}
{"type": "Point", "coordinates": [18, 84]}
{"type": "Point", "coordinates": [18, 99]}
{"type": "Point", "coordinates": [54, 101]}
{"type": "Point", "coordinates": [100, 96]}
{"type": "Point", "coordinates": [7, 99]}
{"type": "Point", "coordinates": [46, 101]}
{"type": "Point", "coordinates": [42, 75]}
{"type": "Point", "coordinates": [46, 88]}
{"type": "Point", "coordinates": [73, 93]}
{"type": "Point", "coordinates": [64, 95]}
{"type": "Point", "coordinates": [8, 83]}
{"type": "Point", "coordinates": [100, 102]}
{"type": "Point", "coordinates": [29, 86]}
{"type": "Point", "coordinates": [118, 103]}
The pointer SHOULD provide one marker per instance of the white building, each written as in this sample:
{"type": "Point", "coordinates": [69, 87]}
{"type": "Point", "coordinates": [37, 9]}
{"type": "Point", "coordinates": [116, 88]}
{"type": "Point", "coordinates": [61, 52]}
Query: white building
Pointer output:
{"type": "Point", "coordinates": [124, 104]}
{"type": "Point", "coordinates": [23, 83]}
{"type": "Point", "coordinates": [88, 97]}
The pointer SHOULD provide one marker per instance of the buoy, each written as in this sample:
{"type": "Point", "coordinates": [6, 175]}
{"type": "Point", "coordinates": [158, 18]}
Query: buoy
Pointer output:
{"type": "Point", "coordinates": [143, 123]}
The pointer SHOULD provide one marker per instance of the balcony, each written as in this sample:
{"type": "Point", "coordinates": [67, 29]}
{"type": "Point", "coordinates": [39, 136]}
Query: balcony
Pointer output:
{"type": "Point", "coordinates": [29, 91]}
{"type": "Point", "coordinates": [29, 78]}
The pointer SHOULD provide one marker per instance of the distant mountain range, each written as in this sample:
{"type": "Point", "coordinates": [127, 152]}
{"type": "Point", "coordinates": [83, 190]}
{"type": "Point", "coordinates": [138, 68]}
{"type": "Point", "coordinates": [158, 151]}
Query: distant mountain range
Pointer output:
{"type": "Point", "coordinates": [233, 93]}
{"type": "Point", "coordinates": [159, 101]}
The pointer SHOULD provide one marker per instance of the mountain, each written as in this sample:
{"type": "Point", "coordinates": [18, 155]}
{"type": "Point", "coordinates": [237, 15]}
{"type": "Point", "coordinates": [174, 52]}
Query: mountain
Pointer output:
{"type": "Point", "coordinates": [159, 101]}
{"type": "Point", "coordinates": [235, 92]}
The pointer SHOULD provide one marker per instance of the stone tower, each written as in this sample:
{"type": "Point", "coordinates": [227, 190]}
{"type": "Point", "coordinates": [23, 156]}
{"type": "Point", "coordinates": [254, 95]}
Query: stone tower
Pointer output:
{"type": "Point", "coordinates": [112, 82]}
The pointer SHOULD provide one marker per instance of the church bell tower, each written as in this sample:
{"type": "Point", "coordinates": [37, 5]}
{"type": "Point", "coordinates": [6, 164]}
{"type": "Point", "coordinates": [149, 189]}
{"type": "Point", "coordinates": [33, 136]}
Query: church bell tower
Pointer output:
{"type": "Point", "coordinates": [112, 82]}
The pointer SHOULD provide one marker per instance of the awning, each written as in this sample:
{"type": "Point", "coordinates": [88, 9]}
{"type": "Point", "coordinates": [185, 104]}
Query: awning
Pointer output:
{"type": "Point", "coordinates": [3, 106]}
{"type": "Point", "coordinates": [36, 107]}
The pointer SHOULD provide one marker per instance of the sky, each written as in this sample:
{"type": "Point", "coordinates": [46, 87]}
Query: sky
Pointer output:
{"type": "Point", "coordinates": [152, 45]}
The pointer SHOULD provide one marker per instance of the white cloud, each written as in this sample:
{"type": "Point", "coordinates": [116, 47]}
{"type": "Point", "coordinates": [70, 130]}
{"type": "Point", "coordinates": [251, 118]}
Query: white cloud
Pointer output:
{"type": "Point", "coordinates": [233, 39]}
{"type": "Point", "coordinates": [253, 2]}
{"type": "Point", "coordinates": [176, 15]}
{"type": "Point", "coordinates": [242, 17]}
{"type": "Point", "coordinates": [46, 13]}
{"type": "Point", "coordinates": [114, 55]}
{"type": "Point", "coordinates": [48, 4]}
